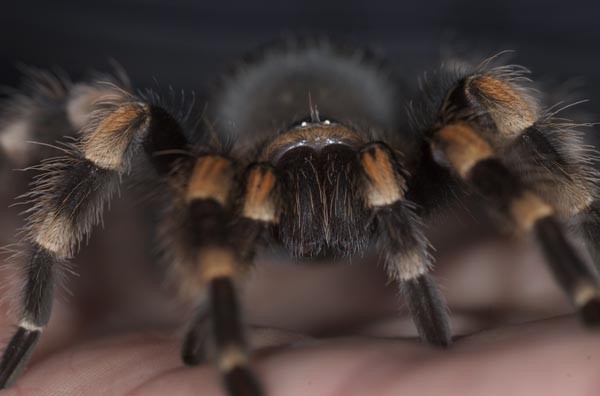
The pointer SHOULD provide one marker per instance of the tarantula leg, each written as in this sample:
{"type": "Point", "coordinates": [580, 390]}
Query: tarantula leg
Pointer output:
{"type": "Point", "coordinates": [205, 237]}
{"type": "Point", "coordinates": [570, 271]}
{"type": "Point", "coordinates": [223, 250]}
{"type": "Point", "coordinates": [67, 201]}
{"type": "Point", "coordinates": [232, 355]}
{"type": "Point", "coordinates": [257, 213]}
{"type": "Point", "coordinates": [403, 244]}
{"type": "Point", "coordinates": [230, 344]}
{"type": "Point", "coordinates": [219, 268]}
{"type": "Point", "coordinates": [194, 349]}
{"type": "Point", "coordinates": [37, 304]}
{"type": "Point", "coordinates": [68, 198]}
{"type": "Point", "coordinates": [18, 352]}
{"type": "Point", "coordinates": [590, 227]}
{"type": "Point", "coordinates": [553, 160]}
{"type": "Point", "coordinates": [459, 146]}
{"type": "Point", "coordinates": [48, 107]}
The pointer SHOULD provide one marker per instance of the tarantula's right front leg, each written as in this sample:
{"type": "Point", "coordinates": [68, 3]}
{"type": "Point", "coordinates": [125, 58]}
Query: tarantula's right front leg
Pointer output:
{"type": "Point", "coordinates": [212, 251]}
{"type": "Point", "coordinates": [68, 198]}
{"type": "Point", "coordinates": [403, 244]}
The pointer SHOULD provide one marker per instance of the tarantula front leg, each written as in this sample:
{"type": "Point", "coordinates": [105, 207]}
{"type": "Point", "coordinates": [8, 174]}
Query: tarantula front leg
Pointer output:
{"type": "Point", "coordinates": [402, 243]}
{"type": "Point", "coordinates": [214, 251]}
{"type": "Point", "coordinates": [483, 103]}
{"type": "Point", "coordinates": [68, 198]}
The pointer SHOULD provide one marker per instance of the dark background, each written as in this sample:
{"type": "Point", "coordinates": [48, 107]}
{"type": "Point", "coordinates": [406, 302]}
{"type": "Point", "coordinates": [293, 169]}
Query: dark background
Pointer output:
{"type": "Point", "coordinates": [187, 43]}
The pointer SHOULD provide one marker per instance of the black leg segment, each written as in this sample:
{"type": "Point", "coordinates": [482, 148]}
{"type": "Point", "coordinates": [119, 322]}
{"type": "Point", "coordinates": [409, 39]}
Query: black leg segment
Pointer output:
{"type": "Point", "coordinates": [428, 309]}
{"type": "Point", "coordinates": [570, 271]}
{"type": "Point", "coordinates": [229, 339]}
{"type": "Point", "coordinates": [16, 355]}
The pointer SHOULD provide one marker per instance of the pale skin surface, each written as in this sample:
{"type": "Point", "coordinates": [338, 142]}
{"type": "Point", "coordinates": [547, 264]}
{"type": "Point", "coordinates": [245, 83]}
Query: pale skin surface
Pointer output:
{"type": "Point", "coordinates": [554, 356]}
{"type": "Point", "coordinates": [515, 333]}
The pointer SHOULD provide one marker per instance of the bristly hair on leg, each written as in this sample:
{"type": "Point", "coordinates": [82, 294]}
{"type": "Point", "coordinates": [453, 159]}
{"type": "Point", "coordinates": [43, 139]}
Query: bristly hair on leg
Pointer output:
{"type": "Point", "coordinates": [14, 277]}
{"type": "Point", "coordinates": [554, 160]}
{"type": "Point", "coordinates": [434, 86]}
{"type": "Point", "coordinates": [59, 178]}
{"type": "Point", "coordinates": [47, 107]}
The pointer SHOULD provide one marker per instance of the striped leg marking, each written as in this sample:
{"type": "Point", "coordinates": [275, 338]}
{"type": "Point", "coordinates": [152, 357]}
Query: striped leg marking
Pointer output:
{"type": "Point", "coordinates": [219, 260]}
{"type": "Point", "coordinates": [68, 199]}
{"type": "Point", "coordinates": [460, 147]}
{"type": "Point", "coordinates": [407, 261]}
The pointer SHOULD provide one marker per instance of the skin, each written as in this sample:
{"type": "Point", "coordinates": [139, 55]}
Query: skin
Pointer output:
{"type": "Point", "coordinates": [515, 353]}
{"type": "Point", "coordinates": [551, 357]}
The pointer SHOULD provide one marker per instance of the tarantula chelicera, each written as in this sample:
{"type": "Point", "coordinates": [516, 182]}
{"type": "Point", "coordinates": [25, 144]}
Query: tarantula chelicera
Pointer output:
{"type": "Point", "coordinates": [330, 178]}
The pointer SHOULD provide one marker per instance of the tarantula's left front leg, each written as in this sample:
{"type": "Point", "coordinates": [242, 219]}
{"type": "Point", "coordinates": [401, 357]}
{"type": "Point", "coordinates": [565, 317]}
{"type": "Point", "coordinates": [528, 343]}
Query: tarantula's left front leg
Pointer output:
{"type": "Point", "coordinates": [403, 244]}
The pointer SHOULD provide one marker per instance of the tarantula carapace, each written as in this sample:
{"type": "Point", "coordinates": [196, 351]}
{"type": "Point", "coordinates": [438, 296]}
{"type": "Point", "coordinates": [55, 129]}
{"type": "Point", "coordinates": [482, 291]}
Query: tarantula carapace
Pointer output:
{"type": "Point", "coordinates": [305, 142]}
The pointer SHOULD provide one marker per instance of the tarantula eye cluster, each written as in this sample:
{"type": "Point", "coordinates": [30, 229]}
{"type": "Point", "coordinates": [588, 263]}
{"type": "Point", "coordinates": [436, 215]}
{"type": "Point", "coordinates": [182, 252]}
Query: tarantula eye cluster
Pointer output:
{"type": "Point", "coordinates": [332, 183]}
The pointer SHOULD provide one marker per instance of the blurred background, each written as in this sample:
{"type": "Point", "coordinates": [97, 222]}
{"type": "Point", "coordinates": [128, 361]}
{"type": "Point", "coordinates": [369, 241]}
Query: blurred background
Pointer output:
{"type": "Point", "coordinates": [187, 44]}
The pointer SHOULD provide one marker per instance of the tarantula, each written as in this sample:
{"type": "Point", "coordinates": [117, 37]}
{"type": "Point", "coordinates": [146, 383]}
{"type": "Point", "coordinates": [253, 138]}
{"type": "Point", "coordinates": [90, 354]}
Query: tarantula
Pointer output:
{"type": "Point", "coordinates": [305, 142]}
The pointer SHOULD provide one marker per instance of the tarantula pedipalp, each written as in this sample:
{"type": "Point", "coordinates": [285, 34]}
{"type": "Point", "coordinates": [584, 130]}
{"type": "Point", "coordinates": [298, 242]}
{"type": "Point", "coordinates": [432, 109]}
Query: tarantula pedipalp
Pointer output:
{"type": "Point", "coordinates": [319, 184]}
